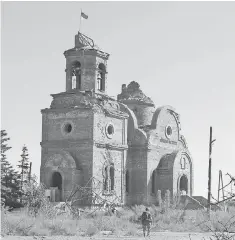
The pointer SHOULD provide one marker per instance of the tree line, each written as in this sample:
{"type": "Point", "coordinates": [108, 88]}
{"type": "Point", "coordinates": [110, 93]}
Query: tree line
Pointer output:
{"type": "Point", "coordinates": [13, 181]}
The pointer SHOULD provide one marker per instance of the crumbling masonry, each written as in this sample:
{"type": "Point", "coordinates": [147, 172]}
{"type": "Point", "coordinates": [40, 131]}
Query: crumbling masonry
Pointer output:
{"type": "Point", "coordinates": [132, 148]}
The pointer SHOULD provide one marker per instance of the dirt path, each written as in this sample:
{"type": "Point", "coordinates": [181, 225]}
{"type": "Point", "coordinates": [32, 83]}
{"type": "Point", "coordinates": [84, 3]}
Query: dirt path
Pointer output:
{"type": "Point", "coordinates": [157, 236]}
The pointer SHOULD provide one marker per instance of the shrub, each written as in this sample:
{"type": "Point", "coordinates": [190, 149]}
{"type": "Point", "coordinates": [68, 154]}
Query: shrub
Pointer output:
{"type": "Point", "coordinates": [91, 230]}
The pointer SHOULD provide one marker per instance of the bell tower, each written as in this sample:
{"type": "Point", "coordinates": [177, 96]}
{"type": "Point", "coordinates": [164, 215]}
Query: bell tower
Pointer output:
{"type": "Point", "coordinates": [86, 66]}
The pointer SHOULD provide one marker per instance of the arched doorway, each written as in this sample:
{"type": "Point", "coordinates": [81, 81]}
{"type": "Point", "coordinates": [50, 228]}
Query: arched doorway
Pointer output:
{"type": "Point", "coordinates": [183, 184]}
{"type": "Point", "coordinates": [57, 183]}
{"type": "Point", "coordinates": [57, 180]}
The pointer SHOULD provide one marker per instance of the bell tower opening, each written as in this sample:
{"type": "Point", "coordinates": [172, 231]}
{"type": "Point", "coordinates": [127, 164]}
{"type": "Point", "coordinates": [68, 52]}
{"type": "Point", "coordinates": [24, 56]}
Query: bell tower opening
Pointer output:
{"type": "Point", "coordinates": [183, 185]}
{"type": "Point", "coordinates": [76, 75]}
{"type": "Point", "coordinates": [101, 77]}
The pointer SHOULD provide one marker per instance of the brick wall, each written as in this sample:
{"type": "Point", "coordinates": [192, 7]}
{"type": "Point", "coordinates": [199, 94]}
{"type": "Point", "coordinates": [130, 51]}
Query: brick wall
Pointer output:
{"type": "Point", "coordinates": [164, 119]}
{"type": "Point", "coordinates": [178, 172]}
{"type": "Point", "coordinates": [100, 125]}
{"type": "Point", "coordinates": [77, 145]}
{"type": "Point", "coordinates": [137, 166]}
{"type": "Point", "coordinates": [89, 69]}
{"type": "Point", "coordinates": [54, 124]}
{"type": "Point", "coordinates": [102, 157]}
{"type": "Point", "coordinates": [60, 161]}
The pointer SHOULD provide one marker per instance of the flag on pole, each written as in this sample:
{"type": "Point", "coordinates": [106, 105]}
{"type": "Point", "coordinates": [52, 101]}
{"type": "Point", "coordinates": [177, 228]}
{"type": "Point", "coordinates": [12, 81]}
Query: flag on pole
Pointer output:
{"type": "Point", "coordinates": [83, 15]}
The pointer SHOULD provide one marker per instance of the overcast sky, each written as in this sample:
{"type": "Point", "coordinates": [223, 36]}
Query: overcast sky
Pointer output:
{"type": "Point", "coordinates": [181, 53]}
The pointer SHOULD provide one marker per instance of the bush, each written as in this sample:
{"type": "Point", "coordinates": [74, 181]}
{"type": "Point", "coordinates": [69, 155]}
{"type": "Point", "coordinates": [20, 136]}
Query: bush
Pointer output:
{"type": "Point", "coordinates": [91, 230]}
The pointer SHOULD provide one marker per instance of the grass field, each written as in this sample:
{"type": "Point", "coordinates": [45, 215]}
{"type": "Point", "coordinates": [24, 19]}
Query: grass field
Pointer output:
{"type": "Point", "coordinates": [125, 224]}
{"type": "Point", "coordinates": [157, 236]}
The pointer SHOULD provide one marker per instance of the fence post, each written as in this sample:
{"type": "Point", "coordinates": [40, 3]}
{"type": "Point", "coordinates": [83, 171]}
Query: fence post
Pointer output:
{"type": "Point", "coordinates": [159, 198]}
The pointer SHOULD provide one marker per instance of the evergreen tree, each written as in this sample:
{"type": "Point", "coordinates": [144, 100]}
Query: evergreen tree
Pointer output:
{"type": "Point", "coordinates": [24, 166]}
{"type": "Point", "coordinates": [5, 165]}
{"type": "Point", "coordinates": [10, 184]}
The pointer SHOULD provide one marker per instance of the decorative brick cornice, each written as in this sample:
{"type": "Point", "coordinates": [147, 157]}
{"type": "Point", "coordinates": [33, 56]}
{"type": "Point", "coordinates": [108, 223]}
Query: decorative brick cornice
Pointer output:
{"type": "Point", "coordinates": [110, 146]}
{"type": "Point", "coordinates": [81, 142]}
{"type": "Point", "coordinates": [64, 110]}
{"type": "Point", "coordinates": [87, 100]}
{"type": "Point", "coordinates": [176, 116]}
{"type": "Point", "coordinates": [139, 147]}
{"type": "Point", "coordinates": [86, 52]}
{"type": "Point", "coordinates": [65, 143]}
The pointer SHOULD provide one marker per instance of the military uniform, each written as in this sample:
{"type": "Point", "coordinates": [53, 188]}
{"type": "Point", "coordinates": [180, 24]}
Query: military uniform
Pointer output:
{"type": "Point", "coordinates": [146, 219]}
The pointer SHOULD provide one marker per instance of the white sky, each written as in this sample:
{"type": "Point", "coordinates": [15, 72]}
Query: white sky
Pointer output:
{"type": "Point", "coordinates": [181, 53]}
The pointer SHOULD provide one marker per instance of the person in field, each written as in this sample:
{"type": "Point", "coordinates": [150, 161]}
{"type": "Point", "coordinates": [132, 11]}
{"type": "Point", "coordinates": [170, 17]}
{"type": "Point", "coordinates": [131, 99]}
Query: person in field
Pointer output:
{"type": "Point", "coordinates": [146, 219]}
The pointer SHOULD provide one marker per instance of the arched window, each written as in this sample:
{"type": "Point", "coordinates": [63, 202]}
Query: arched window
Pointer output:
{"type": "Point", "coordinates": [127, 181]}
{"type": "Point", "coordinates": [183, 163]}
{"type": "Point", "coordinates": [106, 179]}
{"type": "Point", "coordinates": [101, 77]}
{"type": "Point", "coordinates": [183, 184]}
{"type": "Point", "coordinates": [76, 75]}
{"type": "Point", "coordinates": [153, 181]}
{"type": "Point", "coordinates": [109, 178]}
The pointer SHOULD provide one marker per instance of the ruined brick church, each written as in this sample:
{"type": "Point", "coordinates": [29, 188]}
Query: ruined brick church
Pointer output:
{"type": "Point", "coordinates": [130, 147]}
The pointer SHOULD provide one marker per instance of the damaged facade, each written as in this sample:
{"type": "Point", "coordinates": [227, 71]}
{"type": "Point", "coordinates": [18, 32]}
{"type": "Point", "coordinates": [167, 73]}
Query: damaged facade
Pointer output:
{"type": "Point", "coordinates": [133, 148]}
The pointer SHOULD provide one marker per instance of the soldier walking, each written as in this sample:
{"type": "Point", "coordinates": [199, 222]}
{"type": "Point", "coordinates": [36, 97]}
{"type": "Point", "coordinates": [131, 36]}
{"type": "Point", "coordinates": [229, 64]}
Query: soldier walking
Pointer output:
{"type": "Point", "coordinates": [146, 219]}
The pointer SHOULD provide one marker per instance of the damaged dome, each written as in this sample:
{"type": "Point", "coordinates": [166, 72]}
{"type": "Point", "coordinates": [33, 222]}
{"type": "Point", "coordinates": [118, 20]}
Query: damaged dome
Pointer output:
{"type": "Point", "coordinates": [138, 102]}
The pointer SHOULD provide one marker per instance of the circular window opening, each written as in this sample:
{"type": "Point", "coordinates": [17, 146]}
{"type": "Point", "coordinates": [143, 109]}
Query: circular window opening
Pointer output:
{"type": "Point", "coordinates": [68, 128]}
{"type": "Point", "coordinates": [168, 131]}
{"type": "Point", "coordinates": [110, 129]}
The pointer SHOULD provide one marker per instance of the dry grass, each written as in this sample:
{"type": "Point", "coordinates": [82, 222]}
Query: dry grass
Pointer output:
{"type": "Point", "coordinates": [125, 223]}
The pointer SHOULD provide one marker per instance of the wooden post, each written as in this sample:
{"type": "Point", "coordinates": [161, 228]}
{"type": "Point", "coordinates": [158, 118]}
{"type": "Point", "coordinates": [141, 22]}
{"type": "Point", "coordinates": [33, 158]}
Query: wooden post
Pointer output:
{"type": "Point", "coordinates": [221, 185]}
{"type": "Point", "coordinates": [209, 173]}
{"type": "Point", "coordinates": [168, 198]}
{"type": "Point", "coordinates": [221, 188]}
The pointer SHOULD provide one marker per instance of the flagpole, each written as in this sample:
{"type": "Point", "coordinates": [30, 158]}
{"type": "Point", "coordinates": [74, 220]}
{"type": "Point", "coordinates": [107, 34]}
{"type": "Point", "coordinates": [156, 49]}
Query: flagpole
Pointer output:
{"type": "Point", "coordinates": [80, 21]}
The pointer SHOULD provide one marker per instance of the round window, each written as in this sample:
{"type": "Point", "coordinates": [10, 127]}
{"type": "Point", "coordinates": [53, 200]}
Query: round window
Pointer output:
{"type": "Point", "coordinates": [109, 130]}
{"type": "Point", "coordinates": [168, 131]}
{"type": "Point", "coordinates": [68, 128]}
